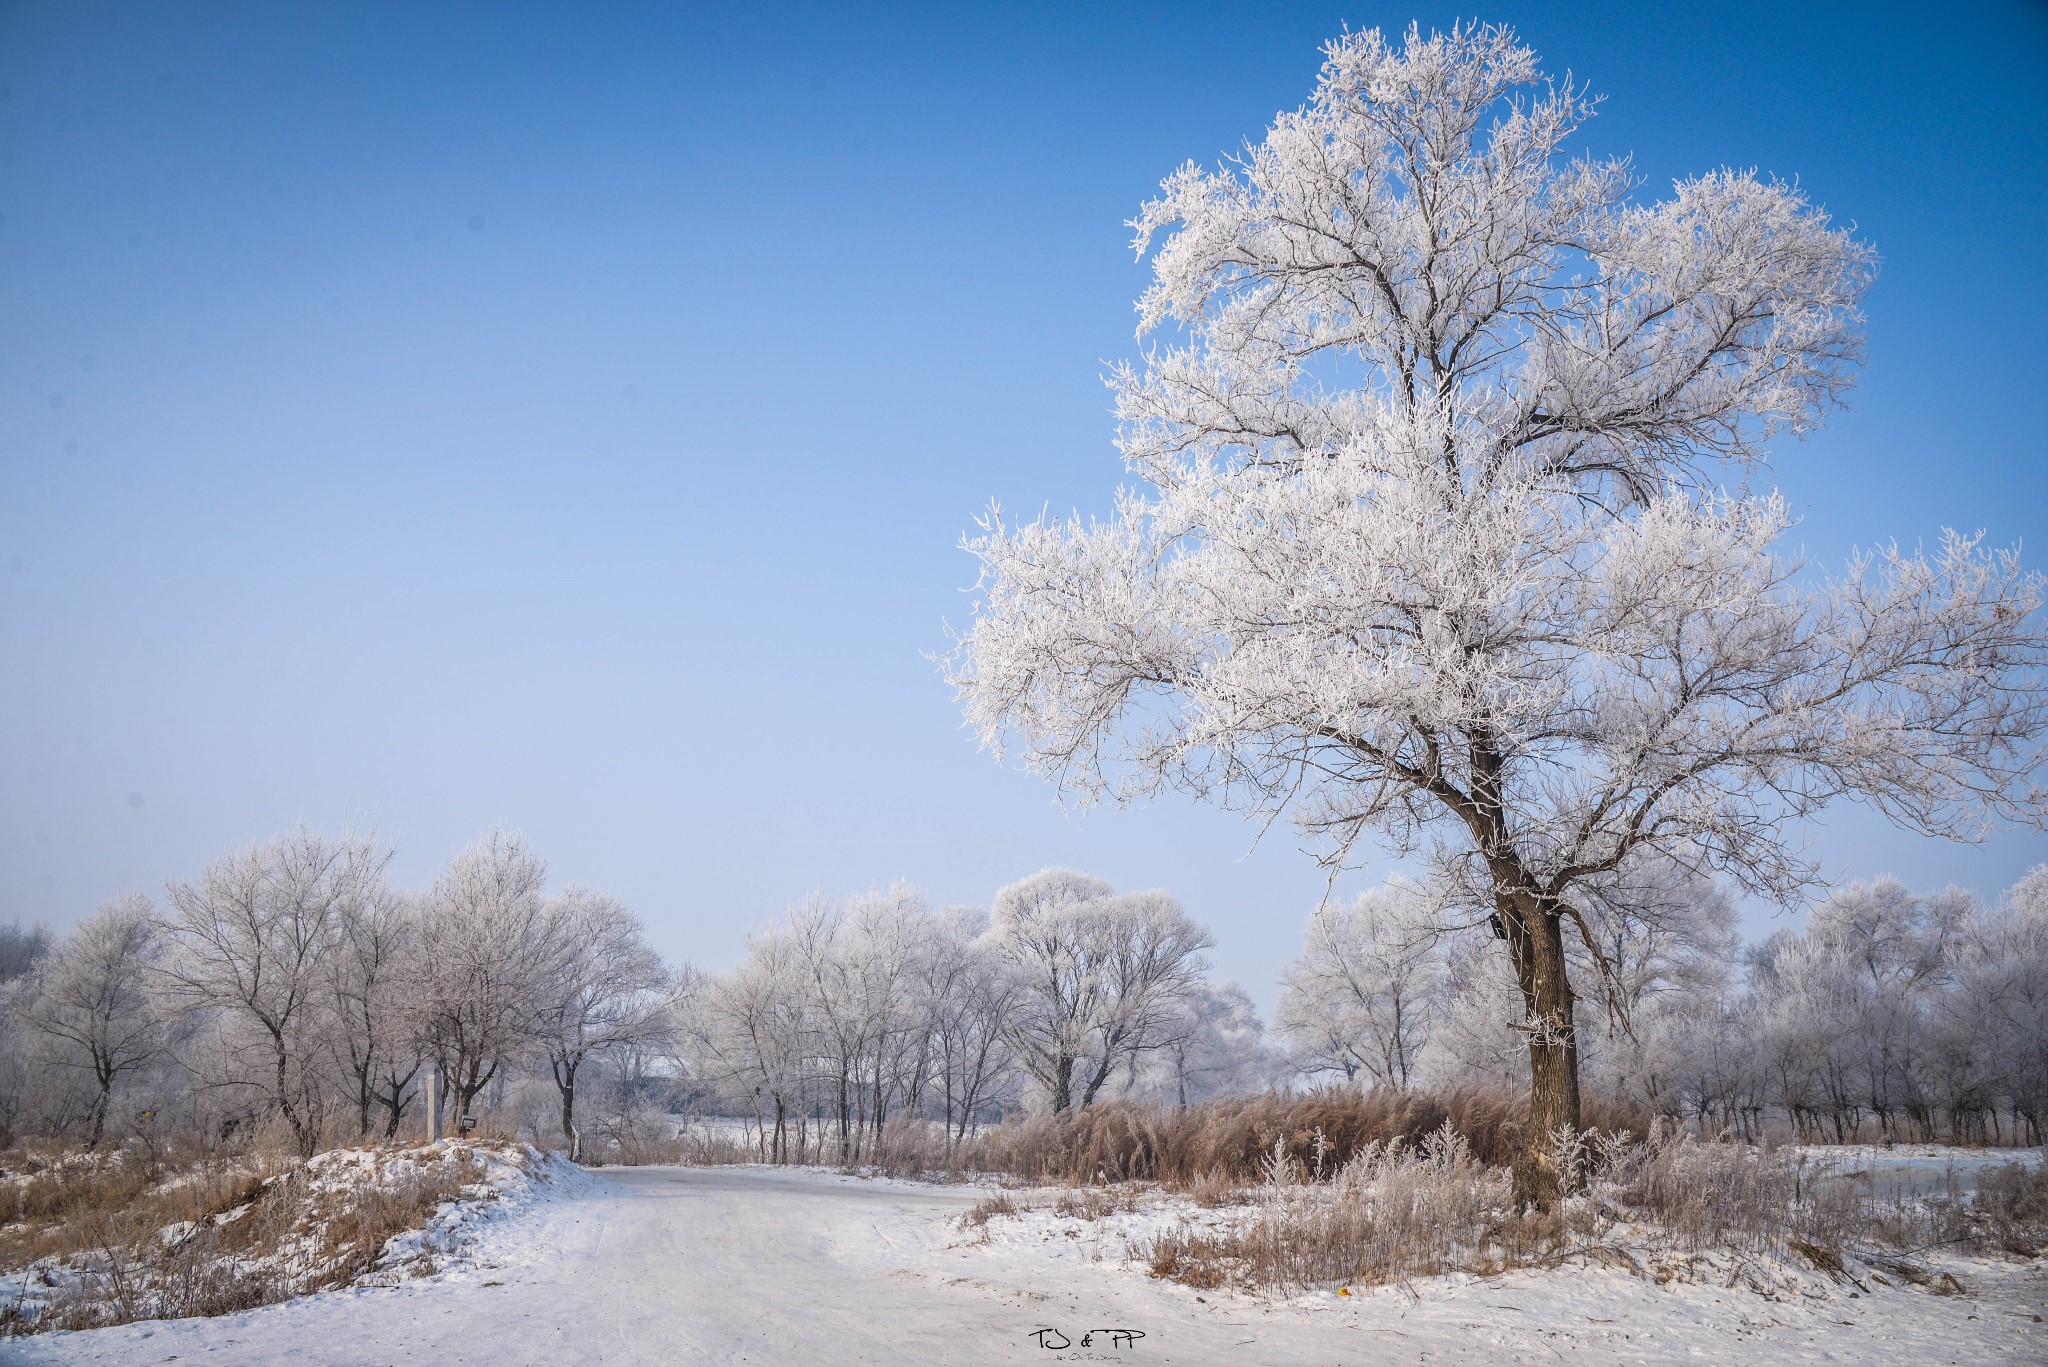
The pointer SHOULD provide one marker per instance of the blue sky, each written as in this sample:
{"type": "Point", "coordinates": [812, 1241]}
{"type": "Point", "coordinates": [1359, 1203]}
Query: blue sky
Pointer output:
{"type": "Point", "coordinates": [565, 416]}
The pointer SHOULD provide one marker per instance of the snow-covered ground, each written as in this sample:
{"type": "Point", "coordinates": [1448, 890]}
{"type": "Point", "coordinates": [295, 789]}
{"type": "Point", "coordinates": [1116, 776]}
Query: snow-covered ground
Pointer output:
{"type": "Point", "coordinates": [509, 1188]}
{"type": "Point", "coordinates": [747, 1265]}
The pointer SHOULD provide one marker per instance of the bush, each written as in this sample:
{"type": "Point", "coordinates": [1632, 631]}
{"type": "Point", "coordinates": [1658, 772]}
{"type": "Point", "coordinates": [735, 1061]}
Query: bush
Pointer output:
{"type": "Point", "coordinates": [2011, 1203]}
{"type": "Point", "coordinates": [1391, 1211]}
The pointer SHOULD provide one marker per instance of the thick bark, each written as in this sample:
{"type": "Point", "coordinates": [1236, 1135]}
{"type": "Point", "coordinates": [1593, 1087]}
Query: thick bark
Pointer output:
{"type": "Point", "coordinates": [565, 1079]}
{"type": "Point", "coordinates": [1097, 1078]}
{"type": "Point", "coordinates": [1535, 935]}
{"type": "Point", "coordinates": [470, 1084]}
{"type": "Point", "coordinates": [845, 1119]}
{"type": "Point", "coordinates": [1063, 1084]}
{"type": "Point", "coordinates": [1533, 925]}
{"type": "Point", "coordinates": [96, 1122]}
{"type": "Point", "coordinates": [304, 1126]}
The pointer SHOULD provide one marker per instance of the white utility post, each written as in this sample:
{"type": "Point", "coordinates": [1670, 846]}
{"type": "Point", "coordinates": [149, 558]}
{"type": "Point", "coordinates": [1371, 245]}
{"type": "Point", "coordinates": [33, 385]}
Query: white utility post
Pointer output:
{"type": "Point", "coordinates": [433, 1104]}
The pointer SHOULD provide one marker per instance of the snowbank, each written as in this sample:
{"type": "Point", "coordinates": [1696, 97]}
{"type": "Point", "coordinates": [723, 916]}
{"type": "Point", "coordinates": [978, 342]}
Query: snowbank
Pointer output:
{"type": "Point", "coordinates": [373, 1217]}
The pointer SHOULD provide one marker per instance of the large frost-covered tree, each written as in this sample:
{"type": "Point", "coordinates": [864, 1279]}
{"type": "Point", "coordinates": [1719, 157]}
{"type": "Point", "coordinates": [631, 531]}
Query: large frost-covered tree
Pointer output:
{"type": "Point", "coordinates": [375, 1026]}
{"type": "Point", "coordinates": [1428, 540]}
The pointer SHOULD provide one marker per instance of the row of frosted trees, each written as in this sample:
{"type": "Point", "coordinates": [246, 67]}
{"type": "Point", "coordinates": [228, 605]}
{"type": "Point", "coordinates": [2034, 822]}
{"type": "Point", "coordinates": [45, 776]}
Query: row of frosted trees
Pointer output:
{"type": "Point", "coordinates": [1891, 1014]}
{"type": "Point", "coordinates": [848, 1017]}
{"type": "Point", "coordinates": [1921, 1016]}
{"type": "Point", "coordinates": [290, 984]}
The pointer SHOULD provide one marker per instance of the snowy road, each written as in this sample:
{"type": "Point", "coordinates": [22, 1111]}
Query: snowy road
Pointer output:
{"type": "Point", "coordinates": [745, 1265]}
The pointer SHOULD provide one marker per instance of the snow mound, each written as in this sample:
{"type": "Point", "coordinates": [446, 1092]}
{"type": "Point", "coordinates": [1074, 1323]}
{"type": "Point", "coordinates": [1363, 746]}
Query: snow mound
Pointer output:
{"type": "Point", "coordinates": [348, 1217]}
{"type": "Point", "coordinates": [510, 1181]}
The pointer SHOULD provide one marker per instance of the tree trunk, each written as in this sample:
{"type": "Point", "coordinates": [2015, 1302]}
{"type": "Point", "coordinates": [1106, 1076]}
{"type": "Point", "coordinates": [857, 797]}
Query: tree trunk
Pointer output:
{"type": "Point", "coordinates": [304, 1127]}
{"type": "Point", "coordinates": [391, 1096]}
{"type": "Point", "coordinates": [1536, 940]}
{"type": "Point", "coordinates": [881, 1112]}
{"type": "Point", "coordinates": [1100, 1074]}
{"type": "Point", "coordinates": [97, 1116]}
{"type": "Point", "coordinates": [471, 1079]}
{"type": "Point", "coordinates": [845, 1119]}
{"type": "Point", "coordinates": [565, 1079]}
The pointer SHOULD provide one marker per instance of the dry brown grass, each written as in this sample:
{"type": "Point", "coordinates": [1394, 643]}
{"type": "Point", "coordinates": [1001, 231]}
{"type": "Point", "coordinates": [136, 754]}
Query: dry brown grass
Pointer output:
{"type": "Point", "coordinates": [1668, 1201]}
{"type": "Point", "coordinates": [1715, 1195]}
{"type": "Point", "coordinates": [104, 1248]}
{"type": "Point", "coordinates": [1215, 1145]}
{"type": "Point", "coordinates": [55, 1205]}
{"type": "Point", "coordinates": [353, 1226]}
{"type": "Point", "coordinates": [1213, 1190]}
{"type": "Point", "coordinates": [1229, 1140]}
{"type": "Point", "coordinates": [988, 1208]}
{"type": "Point", "coordinates": [2010, 1208]}
{"type": "Point", "coordinates": [1095, 1203]}
{"type": "Point", "coordinates": [68, 1190]}
{"type": "Point", "coordinates": [649, 1138]}
{"type": "Point", "coordinates": [1390, 1212]}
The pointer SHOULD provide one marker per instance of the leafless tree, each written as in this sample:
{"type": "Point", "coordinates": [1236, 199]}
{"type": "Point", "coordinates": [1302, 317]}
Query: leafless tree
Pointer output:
{"type": "Point", "coordinates": [493, 960]}
{"type": "Point", "coordinates": [20, 947]}
{"type": "Point", "coordinates": [856, 965]}
{"type": "Point", "coordinates": [748, 1034]}
{"type": "Point", "coordinates": [610, 992]}
{"type": "Point", "coordinates": [1359, 997]}
{"type": "Point", "coordinates": [1213, 1043]}
{"type": "Point", "coordinates": [1102, 976]}
{"type": "Point", "coordinates": [253, 939]}
{"type": "Point", "coordinates": [968, 996]}
{"type": "Point", "coordinates": [376, 1032]}
{"type": "Point", "coordinates": [91, 997]}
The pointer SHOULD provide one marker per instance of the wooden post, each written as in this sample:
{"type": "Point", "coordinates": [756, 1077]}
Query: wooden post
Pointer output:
{"type": "Point", "coordinates": [433, 1105]}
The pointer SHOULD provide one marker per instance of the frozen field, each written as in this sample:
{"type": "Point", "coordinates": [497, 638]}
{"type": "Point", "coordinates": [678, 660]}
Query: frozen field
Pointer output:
{"type": "Point", "coordinates": [1913, 1167]}
{"type": "Point", "coordinates": [746, 1265]}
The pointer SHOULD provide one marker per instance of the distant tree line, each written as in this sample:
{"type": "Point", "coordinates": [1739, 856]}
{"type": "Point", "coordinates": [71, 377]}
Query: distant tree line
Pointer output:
{"type": "Point", "coordinates": [290, 987]}
{"type": "Point", "coordinates": [847, 1015]}
{"type": "Point", "coordinates": [1891, 1015]}
{"type": "Point", "coordinates": [291, 984]}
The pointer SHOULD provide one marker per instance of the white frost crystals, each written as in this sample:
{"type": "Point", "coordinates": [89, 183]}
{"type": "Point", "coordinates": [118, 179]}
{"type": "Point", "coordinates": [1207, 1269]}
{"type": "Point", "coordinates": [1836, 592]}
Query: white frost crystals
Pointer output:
{"type": "Point", "coordinates": [1427, 541]}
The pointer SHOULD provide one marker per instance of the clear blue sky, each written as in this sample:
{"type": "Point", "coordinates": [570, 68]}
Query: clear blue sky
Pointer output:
{"type": "Point", "coordinates": [565, 416]}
